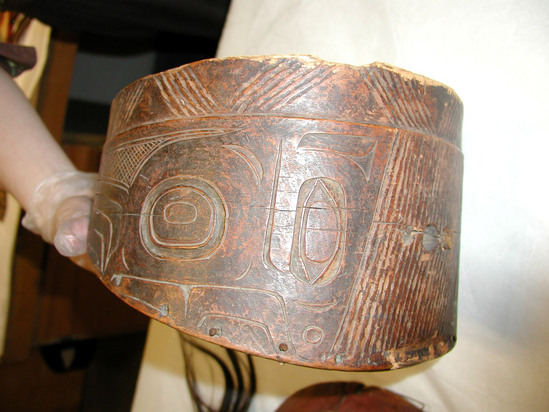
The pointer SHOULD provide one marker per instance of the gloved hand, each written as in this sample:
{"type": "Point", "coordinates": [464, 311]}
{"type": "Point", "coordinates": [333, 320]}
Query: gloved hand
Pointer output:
{"type": "Point", "coordinates": [60, 209]}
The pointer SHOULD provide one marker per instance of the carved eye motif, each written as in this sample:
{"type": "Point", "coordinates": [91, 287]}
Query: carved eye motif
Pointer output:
{"type": "Point", "coordinates": [319, 232]}
{"type": "Point", "coordinates": [182, 218]}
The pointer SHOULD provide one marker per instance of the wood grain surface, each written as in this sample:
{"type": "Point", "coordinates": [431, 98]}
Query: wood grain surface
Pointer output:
{"type": "Point", "coordinates": [288, 207]}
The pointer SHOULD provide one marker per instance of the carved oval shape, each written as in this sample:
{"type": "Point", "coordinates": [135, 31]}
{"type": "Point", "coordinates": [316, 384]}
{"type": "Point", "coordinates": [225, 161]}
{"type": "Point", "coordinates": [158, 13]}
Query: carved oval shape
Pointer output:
{"type": "Point", "coordinates": [180, 213]}
{"type": "Point", "coordinates": [182, 218]}
{"type": "Point", "coordinates": [321, 233]}
{"type": "Point", "coordinates": [313, 335]}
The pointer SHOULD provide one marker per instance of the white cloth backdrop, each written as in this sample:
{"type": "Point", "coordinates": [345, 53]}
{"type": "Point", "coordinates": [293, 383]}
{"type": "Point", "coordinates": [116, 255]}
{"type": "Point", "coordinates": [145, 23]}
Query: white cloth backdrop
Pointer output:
{"type": "Point", "coordinates": [495, 54]}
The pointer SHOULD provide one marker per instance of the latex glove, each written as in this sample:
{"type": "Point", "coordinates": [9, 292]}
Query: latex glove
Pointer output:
{"type": "Point", "coordinates": [59, 211]}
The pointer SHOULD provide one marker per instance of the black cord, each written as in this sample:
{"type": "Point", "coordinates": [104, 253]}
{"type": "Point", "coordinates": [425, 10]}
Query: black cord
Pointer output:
{"type": "Point", "coordinates": [236, 397]}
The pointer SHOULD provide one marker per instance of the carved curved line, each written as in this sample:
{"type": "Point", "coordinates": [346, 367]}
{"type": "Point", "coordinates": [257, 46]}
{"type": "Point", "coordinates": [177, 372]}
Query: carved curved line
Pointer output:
{"type": "Point", "coordinates": [124, 154]}
{"type": "Point", "coordinates": [102, 253]}
{"type": "Point", "coordinates": [179, 222]}
{"type": "Point", "coordinates": [366, 169]}
{"type": "Point", "coordinates": [208, 315]}
{"type": "Point", "coordinates": [191, 287]}
{"type": "Point", "coordinates": [157, 247]}
{"type": "Point", "coordinates": [272, 208]}
{"type": "Point", "coordinates": [276, 296]}
{"type": "Point", "coordinates": [308, 263]}
{"type": "Point", "coordinates": [142, 302]}
{"type": "Point", "coordinates": [260, 325]}
{"type": "Point", "coordinates": [364, 163]}
{"type": "Point", "coordinates": [318, 329]}
{"type": "Point", "coordinates": [302, 267]}
{"type": "Point", "coordinates": [316, 142]}
{"type": "Point", "coordinates": [105, 248]}
{"type": "Point", "coordinates": [187, 289]}
{"type": "Point", "coordinates": [129, 141]}
{"type": "Point", "coordinates": [317, 307]}
{"type": "Point", "coordinates": [109, 181]}
{"type": "Point", "coordinates": [337, 142]}
{"type": "Point", "coordinates": [251, 160]}
{"type": "Point", "coordinates": [123, 254]}
{"type": "Point", "coordinates": [245, 273]}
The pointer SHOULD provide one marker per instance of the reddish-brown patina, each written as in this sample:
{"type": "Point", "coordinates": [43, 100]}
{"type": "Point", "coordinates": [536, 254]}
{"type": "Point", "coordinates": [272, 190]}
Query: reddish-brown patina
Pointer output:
{"type": "Point", "coordinates": [347, 397]}
{"type": "Point", "coordinates": [287, 207]}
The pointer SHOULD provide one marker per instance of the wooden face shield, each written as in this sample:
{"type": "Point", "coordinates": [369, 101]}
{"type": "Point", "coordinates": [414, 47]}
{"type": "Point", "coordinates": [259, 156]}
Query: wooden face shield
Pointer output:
{"type": "Point", "coordinates": [287, 207]}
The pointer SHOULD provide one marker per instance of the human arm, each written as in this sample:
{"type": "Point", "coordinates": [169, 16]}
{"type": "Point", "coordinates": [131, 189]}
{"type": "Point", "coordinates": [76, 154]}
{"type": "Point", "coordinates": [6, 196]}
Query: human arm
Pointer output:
{"type": "Point", "coordinates": [34, 169]}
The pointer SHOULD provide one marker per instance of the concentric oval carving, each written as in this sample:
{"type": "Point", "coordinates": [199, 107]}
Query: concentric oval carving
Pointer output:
{"type": "Point", "coordinates": [319, 232]}
{"type": "Point", "coordinates": [182, 218]}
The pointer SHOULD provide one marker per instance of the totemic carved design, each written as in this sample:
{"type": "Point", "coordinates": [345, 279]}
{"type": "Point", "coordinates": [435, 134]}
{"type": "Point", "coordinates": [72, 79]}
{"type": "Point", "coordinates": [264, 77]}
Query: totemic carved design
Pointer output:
{"type": "Point", "coordinates": [288, 207]}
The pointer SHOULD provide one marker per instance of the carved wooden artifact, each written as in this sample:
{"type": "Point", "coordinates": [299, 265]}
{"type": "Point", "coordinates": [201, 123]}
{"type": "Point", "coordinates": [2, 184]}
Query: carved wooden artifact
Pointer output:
{"type": "Point", "coordinates": [288, 207]}
{"type": "Point", "coordinates": [346, 397]}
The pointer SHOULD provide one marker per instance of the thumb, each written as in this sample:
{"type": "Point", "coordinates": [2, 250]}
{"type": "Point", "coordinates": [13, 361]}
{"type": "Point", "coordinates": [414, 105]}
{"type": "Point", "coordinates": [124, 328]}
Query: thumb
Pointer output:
{"type": "Point", "coordinates": [72, 220]}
